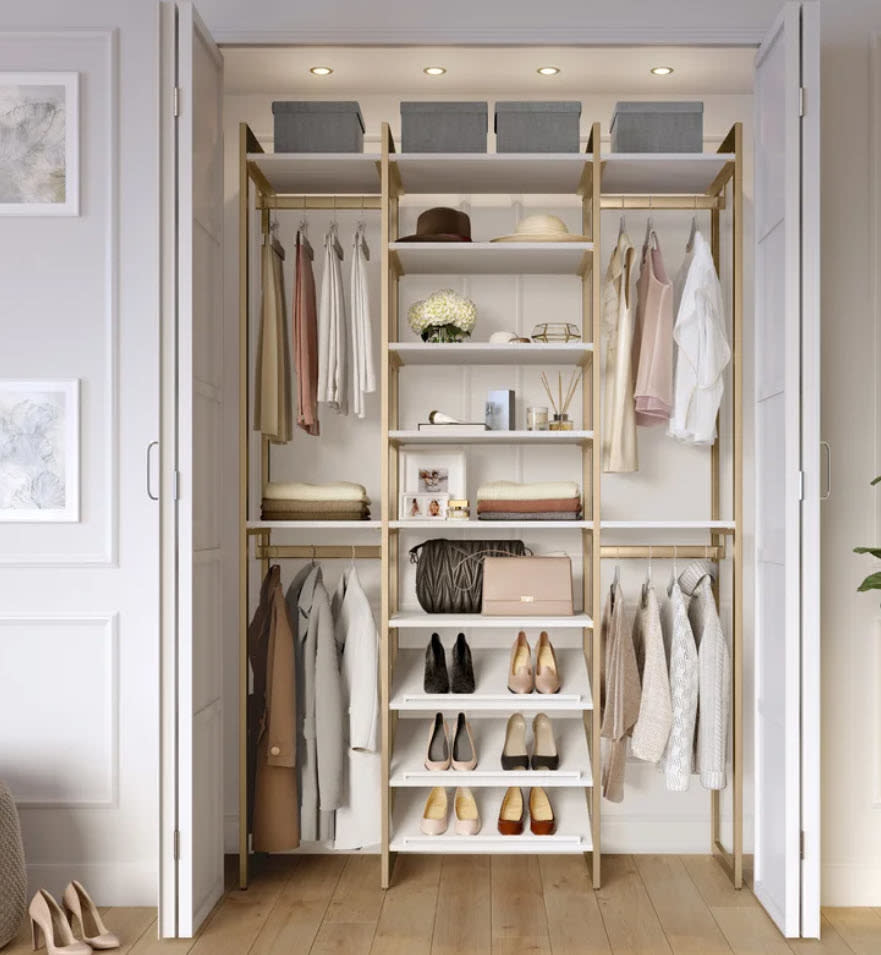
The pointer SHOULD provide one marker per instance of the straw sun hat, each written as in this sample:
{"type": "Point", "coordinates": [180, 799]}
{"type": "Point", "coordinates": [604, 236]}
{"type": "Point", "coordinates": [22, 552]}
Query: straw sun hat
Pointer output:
{"type": "Point", "coordinates": [542, 228]}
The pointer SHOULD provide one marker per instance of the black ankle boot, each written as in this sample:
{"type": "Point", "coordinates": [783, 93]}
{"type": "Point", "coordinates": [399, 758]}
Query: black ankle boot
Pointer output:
{"type": "Point", "coordinates": [436, 678]}
{"type": "Point", "coordinates": [463, 669]}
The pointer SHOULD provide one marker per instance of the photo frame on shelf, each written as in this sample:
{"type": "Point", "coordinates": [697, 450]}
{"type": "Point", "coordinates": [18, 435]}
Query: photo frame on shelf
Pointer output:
{"type": "Point", "coordinates": [434, 472]}
{"type": "Point", "coordinates": [39, 451]}
{"type": "Point", "coordinates": [39, 123]}
{"type": "Point", "coordinates": [424, 507]}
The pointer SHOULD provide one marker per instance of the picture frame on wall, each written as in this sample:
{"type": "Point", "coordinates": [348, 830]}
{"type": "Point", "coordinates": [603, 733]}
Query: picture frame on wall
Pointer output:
{"type": "Point", "coordinates": [39, 451]}
{"type": "Point", "coordinates": [39, 144]}
{"type": "Point", "coordinates": [434, 472]}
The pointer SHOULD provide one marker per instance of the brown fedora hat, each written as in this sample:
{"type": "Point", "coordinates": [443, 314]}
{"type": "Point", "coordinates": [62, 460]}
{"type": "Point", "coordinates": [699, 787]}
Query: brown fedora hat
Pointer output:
{"type": "Point", "coordinates": [441, 225]}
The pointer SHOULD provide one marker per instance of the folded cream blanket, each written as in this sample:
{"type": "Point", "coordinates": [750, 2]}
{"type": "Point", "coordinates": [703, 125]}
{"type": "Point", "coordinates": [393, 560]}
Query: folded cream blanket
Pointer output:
{"type": "Point", "coordinates": [511, 491]}
{"type": "Point", "coordinates": [297, 491]}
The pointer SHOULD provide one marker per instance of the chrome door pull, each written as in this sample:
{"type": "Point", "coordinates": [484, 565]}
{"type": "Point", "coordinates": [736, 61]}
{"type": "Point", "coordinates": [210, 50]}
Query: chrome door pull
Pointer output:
{"type": "Point", "coordinates": [150, 494]}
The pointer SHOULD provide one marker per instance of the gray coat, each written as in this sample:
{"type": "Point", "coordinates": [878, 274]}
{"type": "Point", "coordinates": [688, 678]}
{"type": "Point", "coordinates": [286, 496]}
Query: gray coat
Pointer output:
{"type": "Point", "coordinates": [319, 706]}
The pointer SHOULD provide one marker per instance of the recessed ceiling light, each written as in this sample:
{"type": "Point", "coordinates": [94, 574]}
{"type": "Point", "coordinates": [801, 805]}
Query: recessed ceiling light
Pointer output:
{"type": "Point", "coordinates": [661, 70]}
{"type": "Point", "coordinates": [548, 70]}
{"type": "Point", "coordinates": [320, 70]}
{"type": "Point", "coordinates": [435, 70]}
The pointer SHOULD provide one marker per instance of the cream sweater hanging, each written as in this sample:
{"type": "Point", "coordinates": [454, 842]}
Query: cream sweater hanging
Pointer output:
{"type": "Point", "coordinates": [679, 757]}
{"type": "Point", "coordinates": [652, 729]}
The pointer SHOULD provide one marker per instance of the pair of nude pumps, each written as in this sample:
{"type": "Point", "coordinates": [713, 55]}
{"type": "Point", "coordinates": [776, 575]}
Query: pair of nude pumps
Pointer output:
{"type": "Point", "coordinates": [544, 677]}
{"type": "Point", "coordinates": [57, 928]}
{"type": "Point", "coordinates": [435, 816]}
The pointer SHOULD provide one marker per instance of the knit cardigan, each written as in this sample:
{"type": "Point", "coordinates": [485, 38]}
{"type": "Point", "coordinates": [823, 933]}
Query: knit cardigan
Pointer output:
{"type": "Point", "coordinates": [652, 729]}
{"type": "Point", "coordinates": [679, 757]}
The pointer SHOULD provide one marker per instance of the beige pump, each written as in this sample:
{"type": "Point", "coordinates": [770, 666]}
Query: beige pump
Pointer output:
{"type": "Point", "coordinates": [49, 927]}
{"type": "Point", "coordinates": [83, 914]}
{"type": "Point", "coordinates": [521, 678]}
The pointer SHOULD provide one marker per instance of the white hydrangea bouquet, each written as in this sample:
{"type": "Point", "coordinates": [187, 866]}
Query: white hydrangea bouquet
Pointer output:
{"type": "Point", "coordinates": [445, 316]}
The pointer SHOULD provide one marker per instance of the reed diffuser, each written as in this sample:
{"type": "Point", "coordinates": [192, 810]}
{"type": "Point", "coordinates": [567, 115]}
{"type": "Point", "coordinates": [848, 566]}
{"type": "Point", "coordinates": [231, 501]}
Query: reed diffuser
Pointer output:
{"type": "Point", "coordinates": [561, 420]}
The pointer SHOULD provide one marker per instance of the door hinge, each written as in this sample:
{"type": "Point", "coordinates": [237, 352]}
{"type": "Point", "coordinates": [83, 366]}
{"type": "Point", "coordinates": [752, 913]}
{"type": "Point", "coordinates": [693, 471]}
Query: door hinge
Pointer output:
{"type": "Point", "coordinates": [177, 845]}
{"type": "Point", "coordinates": [801, 101]}
{"type": "Point", "coordinates": [801, 485]}
{"type": "Point", "coordinates": [176, 485]}
{"type": "Point", "coordinates": [175, 101]}
{"type": "Point", "coordinates": [801, 845]}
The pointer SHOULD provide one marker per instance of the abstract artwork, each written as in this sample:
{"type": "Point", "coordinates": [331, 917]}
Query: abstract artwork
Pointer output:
{"type": "Point", "coordinates": [39, 148]}
{"type": "Point", "coordinates": [39, 450]}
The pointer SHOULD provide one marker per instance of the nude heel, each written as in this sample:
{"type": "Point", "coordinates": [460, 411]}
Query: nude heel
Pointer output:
{"type": "Point", "coordinates": [83, 914]}
{"type": "Point", "coordinates": [50, 928]}
{"type": "Point", "coordinates": [36, 936]}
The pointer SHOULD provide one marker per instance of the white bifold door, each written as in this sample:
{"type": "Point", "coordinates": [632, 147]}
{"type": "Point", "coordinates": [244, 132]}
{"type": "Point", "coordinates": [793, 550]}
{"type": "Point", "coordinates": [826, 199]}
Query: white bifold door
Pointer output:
{"type": "Point", "coordinates": [787, 416]}
{"type": "Point", "coordinates": [193, 538]}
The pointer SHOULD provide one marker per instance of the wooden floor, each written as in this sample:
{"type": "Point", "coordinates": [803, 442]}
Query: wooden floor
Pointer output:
{"type": "Point", "coordinates": [477, 905]}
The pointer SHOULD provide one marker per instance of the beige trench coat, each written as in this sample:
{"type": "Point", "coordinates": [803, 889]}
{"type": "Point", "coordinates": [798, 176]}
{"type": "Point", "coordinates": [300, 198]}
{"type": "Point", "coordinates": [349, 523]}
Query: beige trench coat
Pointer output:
{"type": "Point", "coordinates": [272, 747]}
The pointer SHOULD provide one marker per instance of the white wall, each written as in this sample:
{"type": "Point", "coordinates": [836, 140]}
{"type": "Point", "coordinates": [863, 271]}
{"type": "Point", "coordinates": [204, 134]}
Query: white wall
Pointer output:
{"type": "Point", "coordinates": [79, 621]}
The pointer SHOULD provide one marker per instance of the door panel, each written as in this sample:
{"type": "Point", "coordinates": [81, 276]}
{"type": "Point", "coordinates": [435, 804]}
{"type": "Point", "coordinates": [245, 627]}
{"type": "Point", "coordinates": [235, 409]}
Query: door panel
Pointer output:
{"type": "Point", "coordinates": [787, 783]}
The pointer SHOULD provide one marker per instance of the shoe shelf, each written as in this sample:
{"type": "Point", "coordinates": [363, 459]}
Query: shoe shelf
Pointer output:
{"type": "Point", "coordinates": [417, 620]}
{"type": "Point", "coordinates": [408, 769]}
{"type": "Point", "coordinates": [544, 354]}
{"type": "Point", "coordinates": [576, 438]}
{"type": "Point", "coordinates": [573, 834]}
{"type": "Point", "coordinates": [491, 258]}
{"type": "Point", "coordinates": [491, 691]}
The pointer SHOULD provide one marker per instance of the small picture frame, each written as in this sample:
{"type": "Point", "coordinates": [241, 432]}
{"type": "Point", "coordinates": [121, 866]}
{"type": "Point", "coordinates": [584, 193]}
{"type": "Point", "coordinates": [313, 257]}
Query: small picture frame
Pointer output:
{"type": "Point", "coordinates": [434, 472]}
{"type": "Point", "coordinates": [424, 507]}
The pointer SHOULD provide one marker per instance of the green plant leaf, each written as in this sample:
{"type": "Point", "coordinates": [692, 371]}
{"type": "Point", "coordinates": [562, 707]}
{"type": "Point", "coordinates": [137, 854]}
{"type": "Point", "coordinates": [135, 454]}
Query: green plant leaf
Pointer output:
{"type": "Point", "coordinates": [874, 551]}
{"type": "Point", "coordinates": [872, 582]}
{"type": "Point", "coordinates": [877, 479]}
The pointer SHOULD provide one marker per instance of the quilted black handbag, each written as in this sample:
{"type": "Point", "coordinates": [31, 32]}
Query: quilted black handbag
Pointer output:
{"type": "Point", "coordinates": [449, 573]}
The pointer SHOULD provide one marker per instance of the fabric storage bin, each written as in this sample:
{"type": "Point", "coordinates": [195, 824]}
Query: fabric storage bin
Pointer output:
{"type": "Point", "coordinates": [432, 127]}
{"type": "Point", "coordinates": [328, 127]}
{"type": "Point", "coordinates": [658, 128]}
{"type": "Point", "coordinates": [537, 127]}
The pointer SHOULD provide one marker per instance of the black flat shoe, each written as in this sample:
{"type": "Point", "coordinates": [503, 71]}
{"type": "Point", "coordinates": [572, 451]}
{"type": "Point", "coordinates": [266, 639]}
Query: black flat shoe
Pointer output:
{"type": "Point", "coordinates": [436, 678]}
{"type": "Point", "coordinates": [463, 669]}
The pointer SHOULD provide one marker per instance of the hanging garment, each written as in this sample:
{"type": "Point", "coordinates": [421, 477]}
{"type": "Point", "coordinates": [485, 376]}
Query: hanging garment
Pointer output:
{"type": "Point", "coordinates": [273, 408]}
{"type": "Point", "coordinates": [619, 693]}
{"type": "Point", "coordinates": [358, 820]}
{"type": "Point", "coordinates": [653, 342]}
{"type": "Point", "coordinates": [320, 707]}
{"type": "Point", "coordinates": [332, 329]}
{"type": "Point", "coordinates": [679, 757]}
{"type": "Point", "coordinates": [703, 350]}
{"type": "Point", "coordinates": [363, 369]}
{"type": "Point", "coordinates": [306, 340]}
{"type": "Point", "coordinates": [272, 738]}
{"type": "Point", "coordinates": [619, 424]}
{"type": "Point", "coordinates": [714, 699]}
{"type": "Point", "coordinates": [652, 730]}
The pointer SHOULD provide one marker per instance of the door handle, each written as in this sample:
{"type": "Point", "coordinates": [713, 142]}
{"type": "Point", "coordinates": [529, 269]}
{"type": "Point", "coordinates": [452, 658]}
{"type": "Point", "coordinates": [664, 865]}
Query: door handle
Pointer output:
{"type": "Point", "coordinates": [149, 482]}
{"type": "Point", "coordinates": [827, 470]}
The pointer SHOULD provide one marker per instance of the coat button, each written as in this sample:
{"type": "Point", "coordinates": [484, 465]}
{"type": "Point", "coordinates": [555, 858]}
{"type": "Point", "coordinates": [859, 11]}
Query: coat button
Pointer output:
{"type": "Point", "coordinates": [275, 751]}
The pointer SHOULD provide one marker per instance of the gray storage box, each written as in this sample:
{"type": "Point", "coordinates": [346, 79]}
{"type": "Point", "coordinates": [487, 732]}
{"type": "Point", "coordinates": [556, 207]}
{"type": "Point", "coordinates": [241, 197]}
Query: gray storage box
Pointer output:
{"type": "Point", "coordinates": [539, 127]}
{"type": "Point", "coordinates": [444, 127]}
{"type": "Point", "coordinates": [330, 127]}
{"type": "Point", "coordinates": [658, 128]}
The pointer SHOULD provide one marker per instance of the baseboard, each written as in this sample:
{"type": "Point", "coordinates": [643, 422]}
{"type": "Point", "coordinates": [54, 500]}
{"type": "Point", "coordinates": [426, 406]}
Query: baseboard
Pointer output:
{"type": "Point", "coordinates": [109, 883]}
{"type": "Point", "coordinates": [851, 884]}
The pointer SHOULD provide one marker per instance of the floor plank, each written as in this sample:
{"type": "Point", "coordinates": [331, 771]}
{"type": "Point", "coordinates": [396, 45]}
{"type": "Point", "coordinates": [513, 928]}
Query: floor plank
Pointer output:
{"type": "Point", "coordinates": [713, 884]}
{"type": "Point", "coordinates": [687, 921]}
{"type": "Point", "coordinates": [128, 925]}
{"type": "Point", "coordinates": [344, 938]}
{"type": "Point", "coordinates": [358, 896]}
{"type": "Point", "coordinates": [631, 922]}
{"type": "Point", "coordinates": [749, 931]}
{"type": "Point", "coordinates": [575, 925]}
{"type": "Point", "coordinates": [463, 919]}
{"type": "Point", "coordinates": [149, 944]}
{"type": "Point", "coordinates": [860, 928]}
{"type": "Point", "coordinates": [406, 922]}
{"type": "Point", "coordinates": [829, 943]}
{"type": "Point", "coordinates": [518, 910]}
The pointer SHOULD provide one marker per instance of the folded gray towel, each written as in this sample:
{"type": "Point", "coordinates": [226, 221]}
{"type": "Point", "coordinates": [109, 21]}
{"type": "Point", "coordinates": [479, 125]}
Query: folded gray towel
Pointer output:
{"type": "Point", "coordinates": [528, 516]}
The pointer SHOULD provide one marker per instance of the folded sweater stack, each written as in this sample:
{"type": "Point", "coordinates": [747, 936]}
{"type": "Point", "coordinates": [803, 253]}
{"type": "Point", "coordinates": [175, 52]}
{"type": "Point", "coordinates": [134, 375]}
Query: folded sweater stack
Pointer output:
{"type": "Point", "coordinates": [542, 501]}
{"type": "Point", "coordinates": [296, 501]}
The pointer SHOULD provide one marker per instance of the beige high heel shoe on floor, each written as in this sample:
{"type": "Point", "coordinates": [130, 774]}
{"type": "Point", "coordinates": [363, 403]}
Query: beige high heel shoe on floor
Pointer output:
{"type": "Point", "coordinates": [49, 927]}
{"type": "Point", "coordinates": [83, 913]}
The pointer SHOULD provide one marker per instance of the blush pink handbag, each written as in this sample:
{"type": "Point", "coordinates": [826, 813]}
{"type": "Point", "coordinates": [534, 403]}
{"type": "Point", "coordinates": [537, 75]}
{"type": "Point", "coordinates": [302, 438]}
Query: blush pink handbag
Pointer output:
{"type": "Point", "coordinates": [527, 586]}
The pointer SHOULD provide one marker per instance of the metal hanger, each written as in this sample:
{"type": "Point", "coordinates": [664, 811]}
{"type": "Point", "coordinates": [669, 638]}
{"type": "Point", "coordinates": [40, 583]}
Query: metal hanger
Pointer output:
{"type": "Point", "coordinates": [649, 229]}
{"type": "Point", "coordinates": [622, 227]}
{"type": "Point", "coordinates": [361, 237]}
{"type": "Point", "coordinates": [303, 239]}
{"type": "Point", "coordinates": [690, 244]}
{"type": "Point", "coordinates": [332, 232]}
{"type": "Point", "coordinates": [648, 576]}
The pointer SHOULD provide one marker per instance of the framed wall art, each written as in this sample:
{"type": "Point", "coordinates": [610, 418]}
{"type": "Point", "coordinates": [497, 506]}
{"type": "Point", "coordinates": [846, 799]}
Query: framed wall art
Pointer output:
{"type": "Point", "coordinates": [39, 144]}
{"type": "Point", "coordinates": [39, 451]}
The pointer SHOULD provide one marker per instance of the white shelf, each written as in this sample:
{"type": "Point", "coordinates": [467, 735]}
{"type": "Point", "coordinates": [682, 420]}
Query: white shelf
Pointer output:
{"type": "Point", "coordinates": [491, 693]}
{"type": "Point", "coordinates": [492, 258]}
{"type": "Point", "coordinates": [573, 833]}
{"type": "Point", "coordinates": [472, 524]}
{"type": "Point", "coordinates": [315, 525]}
{"type": "Point", "coordinates": [417, 620]}
{"type": "Point", "coordinates": [320, 173]}
{"type": "Point", "coordinates": [411, 738]}
{"type": "Point", "coordinates": [667, 525]}
{"type": "Point", "coordinates": [661, 173]}
{"type": "Point", "coordinates": [484, 353]}
{"type": "Point", "coordinates": [492, 173]}
{"type": "Point", "coordinates": [578, 438]}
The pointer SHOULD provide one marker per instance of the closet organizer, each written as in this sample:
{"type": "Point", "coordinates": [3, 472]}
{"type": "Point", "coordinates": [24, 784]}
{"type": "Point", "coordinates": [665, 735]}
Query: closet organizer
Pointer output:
{"type": "Point", "coordinates": [710, 182]}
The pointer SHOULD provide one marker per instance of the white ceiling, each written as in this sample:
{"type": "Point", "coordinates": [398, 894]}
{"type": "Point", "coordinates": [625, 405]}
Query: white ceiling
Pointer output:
{"type": "Point", "coordinates": [490, 71]}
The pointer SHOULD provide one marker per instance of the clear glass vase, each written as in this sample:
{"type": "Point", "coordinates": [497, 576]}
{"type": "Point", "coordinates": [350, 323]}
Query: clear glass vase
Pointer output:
{"type": "Point", "coordinates": [444, 333]}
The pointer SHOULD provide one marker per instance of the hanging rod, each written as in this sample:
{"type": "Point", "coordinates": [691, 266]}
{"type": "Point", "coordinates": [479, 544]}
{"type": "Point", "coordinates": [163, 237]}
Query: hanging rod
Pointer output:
{"type": "Point", "coordinates": [275, 201]}
{"type": "Point", "coordinates": [326, 551]}
{"type": "Point", "coordinates": [663, 202]}
{"type": "Point", "coordinates": [714, 552]}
